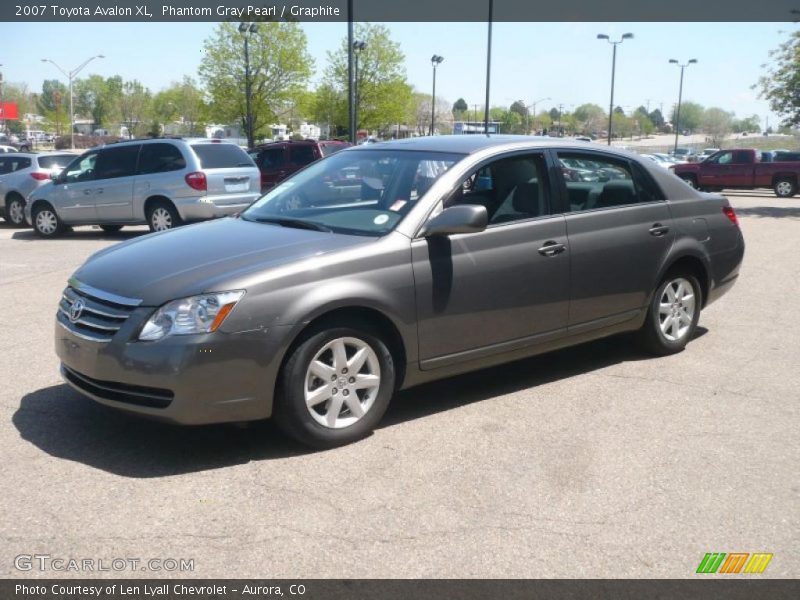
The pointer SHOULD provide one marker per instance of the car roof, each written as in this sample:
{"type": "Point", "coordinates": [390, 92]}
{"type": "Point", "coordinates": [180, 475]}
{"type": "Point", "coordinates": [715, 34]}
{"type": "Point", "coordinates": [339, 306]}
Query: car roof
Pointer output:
{"type": "Point", "coordinates": [469, 144]}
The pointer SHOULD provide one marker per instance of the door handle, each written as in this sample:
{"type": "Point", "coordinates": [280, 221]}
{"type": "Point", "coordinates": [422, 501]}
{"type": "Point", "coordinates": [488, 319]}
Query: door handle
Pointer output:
{"type": "Point", "coordinates": [98, 191]}
{"type": "Point", "coordinates": [87, 192]}
{"type": "Point", "coordinates": [658, 229]}
{"type": "Point", "coordinates": [552, 248]}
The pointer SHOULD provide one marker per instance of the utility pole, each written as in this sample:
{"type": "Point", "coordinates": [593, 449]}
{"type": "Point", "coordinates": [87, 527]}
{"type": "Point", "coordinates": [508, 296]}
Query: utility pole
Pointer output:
{"type": "Point", "coordinates": [680, 97]}
{"type": "Point", "coordinates": [603, 36]}
{"type": "Point", "coordinates": [488, 69]}
{"type": "Point", "coordinates": [351, 104]}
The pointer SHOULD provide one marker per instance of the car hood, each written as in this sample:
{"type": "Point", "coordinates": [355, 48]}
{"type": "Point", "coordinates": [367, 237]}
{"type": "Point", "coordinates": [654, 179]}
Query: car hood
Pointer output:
{"type": "Point", "coordinates": [199, 258]}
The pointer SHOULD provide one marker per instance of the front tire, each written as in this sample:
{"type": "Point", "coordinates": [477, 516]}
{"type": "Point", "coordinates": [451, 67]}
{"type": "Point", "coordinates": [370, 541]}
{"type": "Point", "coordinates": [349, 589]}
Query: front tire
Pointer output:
{"type": "Point", "coordinates": [690, 181]}
{"type": "Point", "coordinates": [673, 314]}
{"type": "Point", "coordinates": [785, 188]}
{"type": "Point", "coordinates": [162, 216]}
{"type": "Point", "coordinates": [335, 387]}
{"type": "Point", "coordinates": [46, 222]}
{"type": "Point", "coordinates": [15, 211]}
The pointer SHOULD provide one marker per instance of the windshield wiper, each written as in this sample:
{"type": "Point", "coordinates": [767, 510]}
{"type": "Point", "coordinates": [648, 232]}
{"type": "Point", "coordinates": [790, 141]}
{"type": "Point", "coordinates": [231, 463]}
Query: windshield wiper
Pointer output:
{"type": "Point", "coordinates": [296, 223]}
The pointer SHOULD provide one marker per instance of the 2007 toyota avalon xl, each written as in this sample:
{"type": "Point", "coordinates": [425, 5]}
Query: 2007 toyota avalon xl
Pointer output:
{"type": "Point", "coordinates": [385, 266]}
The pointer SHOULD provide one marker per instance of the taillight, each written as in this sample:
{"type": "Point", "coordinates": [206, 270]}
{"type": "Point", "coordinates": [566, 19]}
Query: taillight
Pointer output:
{"type": "Point", "coordinates": [197, 181]}
{"type": "Point", "coordinates": [40, 176]}
{"type": "Point", "coordinates": [731, 214]}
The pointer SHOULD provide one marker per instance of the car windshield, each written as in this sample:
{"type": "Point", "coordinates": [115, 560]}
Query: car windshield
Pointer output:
{"type": "Point", "coordinates": [361, 192]}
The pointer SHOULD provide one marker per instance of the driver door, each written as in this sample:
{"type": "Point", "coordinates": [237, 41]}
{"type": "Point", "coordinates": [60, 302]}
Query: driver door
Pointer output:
{"type": "Point", "coordinates": [76, 200]}
{"type": "Point", "coordinates": [501, 289]}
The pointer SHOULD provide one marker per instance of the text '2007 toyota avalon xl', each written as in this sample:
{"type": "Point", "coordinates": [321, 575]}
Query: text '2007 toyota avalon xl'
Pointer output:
{"type": "Point", "coordinates": [385, 266]}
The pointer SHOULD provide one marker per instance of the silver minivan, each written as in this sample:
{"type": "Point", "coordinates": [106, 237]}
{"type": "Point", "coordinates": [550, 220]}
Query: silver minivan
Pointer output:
{"type": "Point", "coordinates": [162, 182]}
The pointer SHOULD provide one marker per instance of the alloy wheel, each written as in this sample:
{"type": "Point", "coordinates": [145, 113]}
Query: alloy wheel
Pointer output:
{"type": "Point", "coordinates": [783, 188]}
{"type": "Point", "coordinates": [161, 219]}
{"type": "Point", "coordinates": [46, 222]}
{"type": "Point", "coordinates": [676, 309]}
{"type": "Point", "coordinates": [16, 212]}
{"type": "Point", "coordinates": [342, 382]}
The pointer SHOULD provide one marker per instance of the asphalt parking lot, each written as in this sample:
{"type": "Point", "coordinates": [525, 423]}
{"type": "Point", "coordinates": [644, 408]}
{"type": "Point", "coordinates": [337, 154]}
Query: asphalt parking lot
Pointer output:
{"type": "Point", "coordinates": [592, 462]}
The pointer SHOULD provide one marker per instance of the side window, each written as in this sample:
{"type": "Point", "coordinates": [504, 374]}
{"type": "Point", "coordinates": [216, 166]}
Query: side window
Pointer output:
{"type": "Point", "coordinates": [601, 182]}
{"type": "Point", "coordinates": [116, 162]}
{"type": "Point", "coordinates": [302, 155]}
{"type": "Point", "coordinates": [725, 158]}
{"type": "Point", "coordinates": [160, 158]}
{"type": "Point", "coordinates": [82, 169]}
{"type": "Point", "coordinates": [14, 163]}
{"type": "Point", "coordinates": [271, 158]}
{"type": "Point", "coordinates": [741, 157]}
{"type": "Point", "coordinates": [511, 189]}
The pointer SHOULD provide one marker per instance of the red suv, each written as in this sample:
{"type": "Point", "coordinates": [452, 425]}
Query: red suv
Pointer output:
{"type": "Point", "coordinates": [278, 160]}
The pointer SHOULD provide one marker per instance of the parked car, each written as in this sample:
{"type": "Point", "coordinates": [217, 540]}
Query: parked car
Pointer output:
{"type": "Point", "coordinates": [452, 253]}
{"type": "Point", "coordinates": [664, 163]}
{"type": "Point", "coordinates": [683, 155]}
{"type": "Point", "coordinates": [707, 152]}
{"type": "Point", "coordinates": [743, 169]}
{"type": "Point", "coordinates": [6, 149]}
{"type": "Point", "coordinates": [278, 160]}
{"type": "Point", "coordinates": [21, 174]}
{"type": "Point", "coordinates": [19, 145]}
{"type": "Point", "coordinates": [162, 182]}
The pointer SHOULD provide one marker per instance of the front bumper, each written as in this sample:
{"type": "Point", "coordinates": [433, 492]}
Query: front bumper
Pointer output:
{"type": "Point", "coordinates": [212, 207]}
{"type": "Point", "coordinates": [191, 380]}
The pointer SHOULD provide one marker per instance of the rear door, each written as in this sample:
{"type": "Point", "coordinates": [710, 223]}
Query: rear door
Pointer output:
{"type": "Point", "coordinates": [717, 170]}
{"type": "Point", "coordinates": [620, 231]}
{"type": "Point", "coordinates": [231, 174]}
{"type": "Point", "coordinates": [114, 176]}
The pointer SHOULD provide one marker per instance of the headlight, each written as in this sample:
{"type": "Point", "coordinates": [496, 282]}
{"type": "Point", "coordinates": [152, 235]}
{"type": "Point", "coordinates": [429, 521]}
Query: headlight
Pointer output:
{"type": "Point", "coordinates": [196, 314]}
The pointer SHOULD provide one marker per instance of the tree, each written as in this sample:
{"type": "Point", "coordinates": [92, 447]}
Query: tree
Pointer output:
{"type": "Point", "coordinates": [657, 118]}
{"type": "Point", "coordinates": [181, 107]}
{"type": "Point", "coordinates": [747, 124]}
{"type": "Point", "coordinates": [780, 86]}
{"type": "Point", "coordinates": [134, 104]}
{"type": "Point", "coordinates": [98, 98]}
{"type": "Point", "coordinates": [460, 108]}
{"type": "Point", "coordinates": [691, 116]}
{"type": "Point", "coordinates": [717, 124]}
{"type": "Point", "coordinates": [54, 104]}
{"type": "Point", "coordinates": [383, 93]}
{"type": "Point", "coordinates": [279, 65]}
{"type": "Point", "coordinates": [590, 118]}
{"type": "Point", "coordinates": [330, 107]}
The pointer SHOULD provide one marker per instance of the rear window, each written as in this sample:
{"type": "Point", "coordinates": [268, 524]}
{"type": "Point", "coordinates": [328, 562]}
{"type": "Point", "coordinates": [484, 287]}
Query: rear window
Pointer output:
{"type": "Point", "coordinates": [53, 162]}
{"type": "Point", "coordinates": [10, 164]}
{"type": "Point", "coordinates": [328, 149]}
{"type": "Point", "coordinates": [221, 156]}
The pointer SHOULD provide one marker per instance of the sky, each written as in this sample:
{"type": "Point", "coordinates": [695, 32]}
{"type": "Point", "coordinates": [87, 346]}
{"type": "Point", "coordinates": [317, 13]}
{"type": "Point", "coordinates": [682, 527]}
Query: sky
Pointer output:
{"type": "Point", "coordinates": [530, 61]}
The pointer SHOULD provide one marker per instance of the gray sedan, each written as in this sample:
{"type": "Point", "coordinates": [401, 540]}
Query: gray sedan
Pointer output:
{"type": "Point", "coordinates": [438, 256]}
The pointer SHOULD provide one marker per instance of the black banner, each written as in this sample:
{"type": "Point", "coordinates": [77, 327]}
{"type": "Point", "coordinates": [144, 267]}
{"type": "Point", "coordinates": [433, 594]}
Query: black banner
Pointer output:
{"type": "Point", "coordinates": [401, 11]}
{"type": "Point", "coordinates": [461, 589]}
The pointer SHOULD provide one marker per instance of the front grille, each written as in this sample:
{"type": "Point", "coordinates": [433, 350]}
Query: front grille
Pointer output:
{"type": "Point", "coordinates": [102, 315]}
{"type": "Point", "coordinates": [120, 392]}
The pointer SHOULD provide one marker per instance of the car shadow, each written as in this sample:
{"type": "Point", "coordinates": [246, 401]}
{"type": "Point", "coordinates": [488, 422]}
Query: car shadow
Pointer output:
{"type": "Point", "coordinates": [66, 425]}
{"type": "Point", "coordinates": [27, 235]}
{"type": "Point", "coordinates": [774, 212]}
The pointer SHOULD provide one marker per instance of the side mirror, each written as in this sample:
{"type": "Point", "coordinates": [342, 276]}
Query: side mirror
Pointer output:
{"type": "Point", "coordinates": [54, 175]}
{"type": "Point", "coordinates": [466, 218]}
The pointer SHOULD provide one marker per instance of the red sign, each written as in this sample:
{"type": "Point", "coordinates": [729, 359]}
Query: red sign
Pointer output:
{"type": "Point", "coordinates": [8, 110]}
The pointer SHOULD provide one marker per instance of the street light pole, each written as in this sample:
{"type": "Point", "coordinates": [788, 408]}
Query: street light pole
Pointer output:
{"type": "Point", "coordinates": [603, 36]}
{"type": "Point", "coordinates": [247, 30]}
{"type": "Point", "coordinates": [351, 96]}
{"type": "Point", "coordinates": [70, 75]}
{"type": "Point", "coordinates": [488, 69]}
{"type": "Point", "coordinates": [358, 48]}
{"type": "Point", "coordinates": [436, 60]}
{"type": "Point", "coordinates": [680, 96]}
{"type": "Point", "coordinates": [533, 104]}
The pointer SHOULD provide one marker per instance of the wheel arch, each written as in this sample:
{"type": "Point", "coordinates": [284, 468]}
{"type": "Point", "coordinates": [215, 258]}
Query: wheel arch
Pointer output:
{"type": "Point", "coordinates": [780, 175]}
{"type": "Point", "coordinates": [694, 264]}
{"type": "Point", "coordinates": [154, 199]}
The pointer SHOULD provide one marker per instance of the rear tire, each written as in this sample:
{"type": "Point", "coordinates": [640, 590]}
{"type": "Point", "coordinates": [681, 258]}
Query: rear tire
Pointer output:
{"type": "Point", "coordinates": [46, 222]}
{"type": "Point", "coordinates": [326, 383]}
{"type": "Point", "coordinates": [162, 216]}
{"type": "Point", "coordinates": [15, 211]}
{"type": "Point", "coordinates": [673, 314]}
{"type": "Point", "coordinates": [690, 181]}
{"type": "Point", "coordinates": [785, 188]}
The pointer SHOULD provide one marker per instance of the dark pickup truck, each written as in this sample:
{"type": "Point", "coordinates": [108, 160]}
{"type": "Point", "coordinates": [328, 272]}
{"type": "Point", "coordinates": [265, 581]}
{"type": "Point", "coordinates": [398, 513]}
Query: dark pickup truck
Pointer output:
{"type": "Point", "coordinates": [741, 169]}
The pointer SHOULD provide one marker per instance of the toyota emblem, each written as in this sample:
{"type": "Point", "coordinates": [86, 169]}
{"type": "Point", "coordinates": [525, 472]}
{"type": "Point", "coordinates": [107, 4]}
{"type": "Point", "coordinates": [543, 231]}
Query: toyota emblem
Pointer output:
{"type": "Point", "coordinates": [76, 310]}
